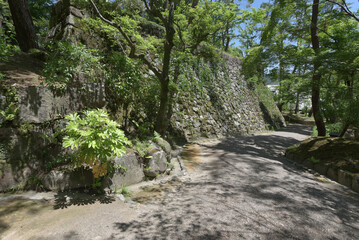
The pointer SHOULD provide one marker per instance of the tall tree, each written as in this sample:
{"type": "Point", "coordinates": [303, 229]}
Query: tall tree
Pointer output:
{"type": "Point", "coordinates": [24, 26]}
{"type": "Point", "coordinates": [316, 73]}
{"type": "Point", "coordinates": [179, 35]}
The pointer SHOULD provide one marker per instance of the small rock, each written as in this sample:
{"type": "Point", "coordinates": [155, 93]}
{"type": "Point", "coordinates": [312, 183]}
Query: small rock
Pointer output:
{"type": "Point", "coordinates": [175, 178]}
{"type": "Point", "coordinates": [121, 197]}
{"type": "Point", "coordinates": [130, 202]}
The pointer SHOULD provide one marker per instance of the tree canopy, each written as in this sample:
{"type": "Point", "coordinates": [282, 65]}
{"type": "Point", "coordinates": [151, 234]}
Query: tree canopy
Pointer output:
{"type": "Point", "coordinates": [309, 49]}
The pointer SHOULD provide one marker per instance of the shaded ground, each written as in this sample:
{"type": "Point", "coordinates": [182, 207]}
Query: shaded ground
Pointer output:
{"type": "Point", "coordinates": [244, 189]}
{"type": "Point", "coordinates": [21, 69]}
{"type": "Point", "coordinates": [299, 119]}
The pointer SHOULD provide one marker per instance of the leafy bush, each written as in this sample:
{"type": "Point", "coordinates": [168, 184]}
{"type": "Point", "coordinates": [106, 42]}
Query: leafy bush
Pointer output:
{"type": "Point", "coordinates": [69, 62]}
{"type": "Point", "coordinates": [10, 112]}
{"type": "Point", "coordinates": [6, 48]}
{"type": "Point", "coordinates": [330, 127]}
{"type": "Point", "coordinates": [97, 139]}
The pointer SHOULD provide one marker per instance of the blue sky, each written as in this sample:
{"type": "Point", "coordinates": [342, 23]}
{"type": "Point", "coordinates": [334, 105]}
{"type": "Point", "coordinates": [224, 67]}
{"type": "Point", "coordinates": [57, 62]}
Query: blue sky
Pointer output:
{"type": "Point", "coordinates": [257, 3]}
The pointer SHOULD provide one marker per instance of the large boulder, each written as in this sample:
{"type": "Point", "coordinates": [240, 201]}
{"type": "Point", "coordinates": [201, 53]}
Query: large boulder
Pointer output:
{"type": "Point", "coordinates": [128, 170]}
{"type": "Point", "coordinates": [165, 146]}
{"type": "Point", "coordinates": [156, 162]}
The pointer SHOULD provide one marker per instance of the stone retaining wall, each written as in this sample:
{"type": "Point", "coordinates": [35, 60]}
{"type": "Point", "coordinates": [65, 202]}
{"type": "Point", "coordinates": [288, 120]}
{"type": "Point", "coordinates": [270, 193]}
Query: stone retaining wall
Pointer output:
{"type": "Point", "coordinates": [348, 179]}
{"type": "Point", "coordinates": [226, 105]}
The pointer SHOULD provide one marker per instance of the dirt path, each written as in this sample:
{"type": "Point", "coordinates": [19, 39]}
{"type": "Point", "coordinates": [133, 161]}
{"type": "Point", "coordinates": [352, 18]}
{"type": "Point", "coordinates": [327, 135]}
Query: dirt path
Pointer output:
{"type": "Point", "coordinates": [243, 188]}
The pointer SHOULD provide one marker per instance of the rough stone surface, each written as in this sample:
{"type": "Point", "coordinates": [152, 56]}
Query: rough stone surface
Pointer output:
{"type": "Point", "coordinates": [345, 178]}
{"type": "Point", "coordinates": [164, 145]}
{"type": "Point", "coordinates": [133, 172]}
{"type": "Point", "coordinates": [65, 24]}
{"type": "Point", "coordinates": [65, 180]}
{"type": "Point", "coordinates": [121, 197]}
{"type": "Point", "coordinates": [321, 168]}
{"type": "Point", "coordinates": [39, 104]}
{"type": "Point", "coordinates": [308, 164]}
{"type": "Point", "coordinates": [10, 177]}
{"type": "Point", "coordinates": [355, 183]}
{"type": "Point", "coordinates": [157, 164]}
{"type": "Point", "coordinates": [226, 106]}
{"type": "Point", "coordinates": [333, 174]}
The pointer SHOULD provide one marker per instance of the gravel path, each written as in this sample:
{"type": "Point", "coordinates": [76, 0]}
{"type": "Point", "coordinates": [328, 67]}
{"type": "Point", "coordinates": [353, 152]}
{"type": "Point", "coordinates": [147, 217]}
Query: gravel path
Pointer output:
{"type": "Point", "coordinates": [243, 189]}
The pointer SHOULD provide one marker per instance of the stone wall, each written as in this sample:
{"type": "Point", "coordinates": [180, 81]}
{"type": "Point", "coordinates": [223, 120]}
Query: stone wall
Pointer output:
{"type": "Point", "coordinates": [224, 105]}
{"type": "Point", "coordinates": [39, 104]}
{"type": "Point", "coordinates": [26, 144]}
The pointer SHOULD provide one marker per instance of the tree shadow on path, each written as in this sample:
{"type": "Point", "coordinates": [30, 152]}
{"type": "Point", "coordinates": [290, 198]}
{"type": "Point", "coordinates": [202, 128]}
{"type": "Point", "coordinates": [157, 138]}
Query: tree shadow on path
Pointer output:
{"type": "Point", "coordinates": [79, 198]}
{"type": "Point", "coordinates": [246, 189]}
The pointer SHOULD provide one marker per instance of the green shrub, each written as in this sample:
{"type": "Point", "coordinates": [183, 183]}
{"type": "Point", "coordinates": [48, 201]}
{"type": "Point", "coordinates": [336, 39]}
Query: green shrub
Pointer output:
{"type": "Point", "coordinates": [68, 62]}
{"type": "Point", "coordinates": [6, 48]}
{"type": "Point", "coordinates": [9, 113]}
{"type": "Point", "coordinates": [330, 127]}
{"type": "Point", "coordinates": [314, 160]}
{"type": "Point", "coordinates": [96, 138]}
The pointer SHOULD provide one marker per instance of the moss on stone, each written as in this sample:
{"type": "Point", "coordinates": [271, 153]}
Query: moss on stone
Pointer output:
{"type": "Point", "coordinates": [338, 153]}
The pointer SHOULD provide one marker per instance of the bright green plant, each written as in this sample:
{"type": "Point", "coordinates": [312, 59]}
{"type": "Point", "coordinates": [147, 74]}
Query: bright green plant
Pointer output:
{"type": "Point", "coordinates": [125, 191]}
{"type": "Point", "coordinates": [6, 48]}
{"type": "Point", "coordinates": [314, 160]}
{"type": "Point", "coordinates": [96, 138]}
{"type": "Point", "coordinates": [9, 113]}
{"type": "Point", "coordinates": [11, 109]}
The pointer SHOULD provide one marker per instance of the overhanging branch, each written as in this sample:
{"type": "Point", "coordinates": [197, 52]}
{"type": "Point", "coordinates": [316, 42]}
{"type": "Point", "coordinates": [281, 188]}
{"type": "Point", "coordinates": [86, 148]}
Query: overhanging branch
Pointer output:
{"type": "Point", "coordinates": [131, 44]}
{"type": "Point", "coordinates": [344, 6]}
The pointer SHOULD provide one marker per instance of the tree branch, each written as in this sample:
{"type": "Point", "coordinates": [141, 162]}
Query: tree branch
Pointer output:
{"type": "Point", "coordinates": [132, 45]}
{"type": "Point", "coordinates": [345, 8]}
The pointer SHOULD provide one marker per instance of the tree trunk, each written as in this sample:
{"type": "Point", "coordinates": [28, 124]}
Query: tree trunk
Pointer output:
{"type": "Point", "coordinates": [280, 92]}
{"type": "Point", "coordinates": [24, 26]}
{"type": "Point", "coordinates": [297, 104]}
{"type": "Point", "coordinates": [348, 121]}
{"type": "Point", "coordinates": [228, 39]}
{"type": "Point", "coordinates": [316, 74]}
{"type": "Point", "coordinates": [162, 121]}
